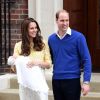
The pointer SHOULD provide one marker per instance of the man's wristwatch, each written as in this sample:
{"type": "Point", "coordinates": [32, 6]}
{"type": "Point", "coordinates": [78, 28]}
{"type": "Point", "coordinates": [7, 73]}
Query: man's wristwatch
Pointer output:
{"type": "Point", "coordinates": [86, 82]}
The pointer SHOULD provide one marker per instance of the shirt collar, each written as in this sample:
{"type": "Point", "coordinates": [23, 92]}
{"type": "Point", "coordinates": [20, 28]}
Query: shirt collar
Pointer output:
{"type": "Point", "coordinates": [67, 32]}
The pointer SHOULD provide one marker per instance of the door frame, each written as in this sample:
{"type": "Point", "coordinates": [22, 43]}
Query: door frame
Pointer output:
{"type": "Point", "coordinates": [91, 31]}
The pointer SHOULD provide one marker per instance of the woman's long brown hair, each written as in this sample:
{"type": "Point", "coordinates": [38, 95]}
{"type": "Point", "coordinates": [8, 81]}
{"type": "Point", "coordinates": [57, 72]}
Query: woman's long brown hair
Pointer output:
{"type": "Point", "coordinates": [37, 41]}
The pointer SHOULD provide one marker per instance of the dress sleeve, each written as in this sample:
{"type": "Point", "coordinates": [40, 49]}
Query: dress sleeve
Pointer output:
{"type": "Point", "coordinates": [17, 49]}
{"type": "Point", "coordinates": [47, 56]}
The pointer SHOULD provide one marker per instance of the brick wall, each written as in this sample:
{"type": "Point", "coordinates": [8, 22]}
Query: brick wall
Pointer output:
{"type": "Point", "coordinates": [19, 11]}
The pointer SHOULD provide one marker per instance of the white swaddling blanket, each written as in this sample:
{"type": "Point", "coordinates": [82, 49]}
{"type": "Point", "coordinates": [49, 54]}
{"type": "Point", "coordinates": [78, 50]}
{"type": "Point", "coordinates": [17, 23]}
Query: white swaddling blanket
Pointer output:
{"type": "Point", "coordinates": [32, 78]}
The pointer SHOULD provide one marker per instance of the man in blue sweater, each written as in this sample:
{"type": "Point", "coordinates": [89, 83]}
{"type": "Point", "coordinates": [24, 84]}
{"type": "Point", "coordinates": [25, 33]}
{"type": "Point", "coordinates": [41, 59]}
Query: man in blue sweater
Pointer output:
{"type": "Point", "coordinates": [69, 53]}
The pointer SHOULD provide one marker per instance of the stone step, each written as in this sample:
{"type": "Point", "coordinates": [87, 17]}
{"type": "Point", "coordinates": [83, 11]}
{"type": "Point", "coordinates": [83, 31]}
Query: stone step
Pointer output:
{"type": "Point", "coordinates": [14, 83]}
{"type": "Point", "coordinates": [5, 80]}
{"type": "Point", "coordinates": [95, 86]}
{"type": "Point", "coordinates": [9, 94]}
{"type": "Point", "coordinates": [13, 94]}
{"type": "Point", "coordinates": [91, 96]}
{"type": "Point", "coordinates": [9, 87]}
{"type": "Point", "coordinates": [95, 82]}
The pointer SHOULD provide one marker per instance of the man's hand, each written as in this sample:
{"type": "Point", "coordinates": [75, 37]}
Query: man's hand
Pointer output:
{"type": "Point", "coordinates": [85, 88]}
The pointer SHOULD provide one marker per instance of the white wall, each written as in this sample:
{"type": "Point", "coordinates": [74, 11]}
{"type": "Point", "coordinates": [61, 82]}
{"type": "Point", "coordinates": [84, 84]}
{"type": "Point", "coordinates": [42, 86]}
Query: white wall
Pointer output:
{"type": "Point", "coordinates": [32, 8]}
{"type": "Point", "coordinates": [44, 12]}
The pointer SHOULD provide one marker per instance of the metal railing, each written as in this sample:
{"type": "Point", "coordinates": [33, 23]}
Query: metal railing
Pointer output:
{"type": "Point", "coordinates": [5, 31]}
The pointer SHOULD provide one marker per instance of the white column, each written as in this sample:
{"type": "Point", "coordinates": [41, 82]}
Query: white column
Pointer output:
{"type": "Point", "coordinates": [44, 12]}
{"type": "Point", "coordinates": [38, 11]}
{"type": "Point", "coordinates": [58, 5]}
{"type": "Point", "coordinates": [32, 8]}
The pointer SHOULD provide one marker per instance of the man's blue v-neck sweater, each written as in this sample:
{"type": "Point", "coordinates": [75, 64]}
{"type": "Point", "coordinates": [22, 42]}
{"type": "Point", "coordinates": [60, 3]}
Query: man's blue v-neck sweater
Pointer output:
{"type": "Point", "coordinates": [69, 55]}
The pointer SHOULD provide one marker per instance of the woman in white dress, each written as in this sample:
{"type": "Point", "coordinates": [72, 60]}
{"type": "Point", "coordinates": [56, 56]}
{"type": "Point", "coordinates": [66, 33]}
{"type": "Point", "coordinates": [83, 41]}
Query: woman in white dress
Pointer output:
{"type": "Point", "coordinates": [36, 49]}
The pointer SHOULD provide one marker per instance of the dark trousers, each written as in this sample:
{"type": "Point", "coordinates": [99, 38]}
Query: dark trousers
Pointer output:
{"type": "Point", "coordinates": [66, 89]}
